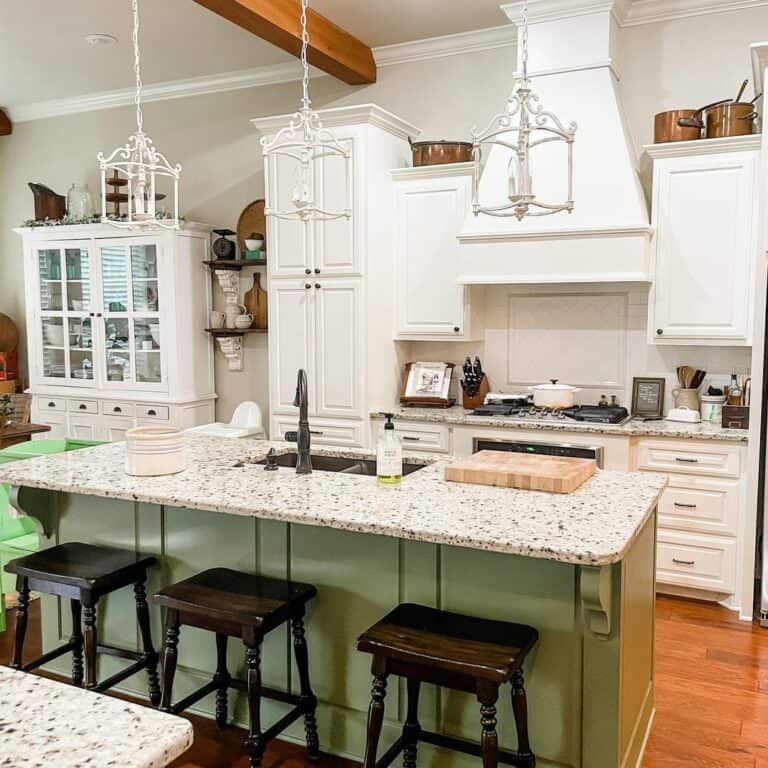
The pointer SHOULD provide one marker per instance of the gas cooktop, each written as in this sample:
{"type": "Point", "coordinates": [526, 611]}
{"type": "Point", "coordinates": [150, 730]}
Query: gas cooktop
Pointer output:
{"type": "Point", "coordinates": [592, 414]}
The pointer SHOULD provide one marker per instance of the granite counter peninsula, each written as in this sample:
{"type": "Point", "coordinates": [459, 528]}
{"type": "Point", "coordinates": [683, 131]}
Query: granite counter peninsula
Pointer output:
{"type": "Point", "coordinates": [579, 568]}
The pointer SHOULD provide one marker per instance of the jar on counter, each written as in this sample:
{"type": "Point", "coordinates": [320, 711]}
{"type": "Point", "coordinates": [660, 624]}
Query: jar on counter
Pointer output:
{"type": "Point", "coordinates": [79, 202]}
{"type": "Point", "coordinates": [712, 408]}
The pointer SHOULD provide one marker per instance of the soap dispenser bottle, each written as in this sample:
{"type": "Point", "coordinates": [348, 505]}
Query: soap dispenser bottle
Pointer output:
{"type": "Point", "coordinates": [389, 454]}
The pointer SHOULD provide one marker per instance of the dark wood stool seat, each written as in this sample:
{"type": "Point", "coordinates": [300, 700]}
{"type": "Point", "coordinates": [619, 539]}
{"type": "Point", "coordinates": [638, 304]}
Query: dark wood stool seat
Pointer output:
{"type": "Point", "coordinates": [84, 573]}
{"type": "Point", "coordinates": [247, 606]}
{"type": "Point", "coordinates": [464, 653]}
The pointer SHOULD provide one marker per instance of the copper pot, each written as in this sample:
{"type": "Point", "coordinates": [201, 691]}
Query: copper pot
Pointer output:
{"type": "Point", "coordinates": [667, 126]}
{"type": "Point", "coordinates": [737, 118]}
{"type": "Point", "coordinates": [440, 152]}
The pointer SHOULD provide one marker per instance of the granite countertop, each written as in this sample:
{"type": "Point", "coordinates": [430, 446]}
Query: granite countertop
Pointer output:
{"type": "Point", "coordinates": [635, 428]}
{"type": "Point", "coordinates": [595, 525]}
{"type": "Point", "coordinates": [48, 724]}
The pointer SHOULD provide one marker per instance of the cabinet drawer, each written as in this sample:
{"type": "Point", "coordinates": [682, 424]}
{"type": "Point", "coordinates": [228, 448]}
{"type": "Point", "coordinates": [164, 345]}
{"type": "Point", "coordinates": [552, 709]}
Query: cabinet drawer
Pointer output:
{"type": "Point", "coordinates": [83, 406]}
{"type": "Point", "coordinates": [700, 504]}
{"type": "Point", "coordinates": [114, 408]}
{"type": "Point", "coordinates": [342, 433]}
{"type": "Point", "coordinates": [161, 412]}
{"type": "Point", "coordinates": [44, 404]}
{"type": "Point", "coordinates": [714, 461]}
{"type": "Point", "coordinates": [420, 437]}
{"type": "Point", "coordinates": [695, 560]}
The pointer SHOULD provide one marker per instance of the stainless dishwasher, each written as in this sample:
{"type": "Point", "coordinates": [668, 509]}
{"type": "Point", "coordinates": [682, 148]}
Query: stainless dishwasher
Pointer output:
{"type": "Point", "coordinates": [574, 450]}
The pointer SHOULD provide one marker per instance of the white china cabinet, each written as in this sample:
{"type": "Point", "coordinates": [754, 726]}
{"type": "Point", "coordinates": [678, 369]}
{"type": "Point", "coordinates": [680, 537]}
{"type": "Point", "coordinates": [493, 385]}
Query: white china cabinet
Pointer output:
{"type": "Point", "coordinates": [705, 199]}
{"type": "Point", "coordinates": [331, 283]}
{"type": "Point", "coordinates": [115, 325]}
{"type": "Point", "coordinates": [431, 204]}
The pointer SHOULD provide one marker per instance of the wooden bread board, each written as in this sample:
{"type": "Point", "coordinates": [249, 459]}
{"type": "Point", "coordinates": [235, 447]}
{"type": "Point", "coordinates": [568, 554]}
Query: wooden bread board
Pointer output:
{"type": "Point", "coordinates": [554, 474]}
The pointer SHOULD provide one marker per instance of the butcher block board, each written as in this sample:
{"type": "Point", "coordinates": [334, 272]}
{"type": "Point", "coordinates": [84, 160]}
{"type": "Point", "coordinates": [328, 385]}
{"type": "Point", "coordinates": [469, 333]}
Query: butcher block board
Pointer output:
{"type": "Point", "coordinates": [554, 474]}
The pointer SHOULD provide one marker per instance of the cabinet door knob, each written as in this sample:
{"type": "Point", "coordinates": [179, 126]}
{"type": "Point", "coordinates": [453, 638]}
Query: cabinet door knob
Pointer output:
{"type": "Point", "coordinates": [307, 285]}
{"type": "Point", "coordinates": [307, 271]}
{"type": "Point", "coordinates": [51, 405]}
{"type": "Point", "coordinates": [456, 329]}
{"type": "Point", "coordinates": [659, 331]}
{"type": "Point", "coordinates": [117, 409]}
{"type": "Point", "coordinates": [317, 271]}
{"type": "Point", "coordinates": [82, 407]}
{"type": "Point", "coordinates": [317, 285]}
{"type": "Point", "coordinates": [151, 412]}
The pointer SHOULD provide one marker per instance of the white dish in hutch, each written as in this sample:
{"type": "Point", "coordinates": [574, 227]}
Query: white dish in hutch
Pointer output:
{"type": "Point", "coordinates": [115, 328]}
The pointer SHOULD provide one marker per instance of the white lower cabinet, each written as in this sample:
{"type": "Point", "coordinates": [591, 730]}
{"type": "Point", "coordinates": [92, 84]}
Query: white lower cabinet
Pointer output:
{"type": "Point", "coordinates": [417, 436]}
{"type": "Point", "coordinates": [696, 561]}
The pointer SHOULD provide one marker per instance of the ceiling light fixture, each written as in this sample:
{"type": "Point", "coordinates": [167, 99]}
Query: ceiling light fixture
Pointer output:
{"type": "Point", "coordinates": [100, 39]}
{"type": "Point", "coordinates": [530, 126]}
{"type": "Point", "coordinates": [141, 165]}
{"type": "Point", "coordinates": [307, 144]}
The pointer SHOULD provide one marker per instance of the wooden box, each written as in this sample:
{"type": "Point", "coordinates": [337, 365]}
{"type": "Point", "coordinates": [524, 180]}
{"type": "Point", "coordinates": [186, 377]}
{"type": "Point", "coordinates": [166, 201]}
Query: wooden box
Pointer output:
{"type": "Point", "coordinates": [736, 416]}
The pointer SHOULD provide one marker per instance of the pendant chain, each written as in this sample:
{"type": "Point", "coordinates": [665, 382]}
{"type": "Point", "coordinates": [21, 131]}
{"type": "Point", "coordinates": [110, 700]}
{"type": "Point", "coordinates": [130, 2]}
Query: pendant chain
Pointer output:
{"type": "Point", "coordinates": [137, 66]}
{"type": "Point", "coordinates": [304, 62]}
{"type": "Point", "coordinates": [525, 39]}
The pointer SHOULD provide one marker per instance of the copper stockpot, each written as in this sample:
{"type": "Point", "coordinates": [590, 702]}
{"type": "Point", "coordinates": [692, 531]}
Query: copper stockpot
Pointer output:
{"type": "Point", "coordinates": [440, 152]}
{"type": "Point", "coordinates": [667, 126]}
{"type": "Point", "coordinates": [732, 119]}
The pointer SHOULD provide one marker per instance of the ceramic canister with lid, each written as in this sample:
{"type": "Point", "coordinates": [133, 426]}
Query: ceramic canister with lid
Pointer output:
{"type": "Point", "coordinates": [154, 451]}
{"type": "Point", "coordinates": [712, 407]}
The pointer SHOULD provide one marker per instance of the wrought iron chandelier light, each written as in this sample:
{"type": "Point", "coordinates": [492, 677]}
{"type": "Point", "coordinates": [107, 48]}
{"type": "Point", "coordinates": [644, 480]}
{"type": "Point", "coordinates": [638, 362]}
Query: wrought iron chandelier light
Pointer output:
{"type": "Point", "coordinates": [138, 165]}
{"type": "Point", "coordinates": [307, 144]}
{"type": "Point", "coordinates": [531, 126]}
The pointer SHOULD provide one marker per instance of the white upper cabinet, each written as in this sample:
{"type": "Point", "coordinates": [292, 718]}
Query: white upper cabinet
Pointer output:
{"type": "Point", "coordinates": [705, 197]}
{"type": "Point", "coordinates": [431, 205]}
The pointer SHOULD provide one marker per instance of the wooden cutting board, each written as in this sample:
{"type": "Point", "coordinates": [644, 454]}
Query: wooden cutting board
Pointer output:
{"type": "Point", "coordinates": [554, 474]}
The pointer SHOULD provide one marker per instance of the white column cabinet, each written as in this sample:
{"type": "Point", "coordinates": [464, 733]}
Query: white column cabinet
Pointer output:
{"type": "Point", "coordinates": [431, 205]}
{"type": "Point", "coordinates": [115, 322]}
{"type": "Point", "coordinates": [705, 198]}
{"type": "Point", "coordinates": [331, 283]}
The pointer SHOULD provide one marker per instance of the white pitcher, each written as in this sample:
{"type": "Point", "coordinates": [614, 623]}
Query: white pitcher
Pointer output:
{"type": "Point", "coordinates": [233, 311]}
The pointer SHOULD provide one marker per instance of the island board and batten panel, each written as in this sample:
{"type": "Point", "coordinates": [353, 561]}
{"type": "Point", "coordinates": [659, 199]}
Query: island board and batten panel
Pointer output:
{"type": "Point", "coordinates": [568, 565]}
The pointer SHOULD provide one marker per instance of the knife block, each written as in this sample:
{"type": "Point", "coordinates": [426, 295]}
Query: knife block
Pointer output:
{"type": "Point", "coordinates": [470, 402]}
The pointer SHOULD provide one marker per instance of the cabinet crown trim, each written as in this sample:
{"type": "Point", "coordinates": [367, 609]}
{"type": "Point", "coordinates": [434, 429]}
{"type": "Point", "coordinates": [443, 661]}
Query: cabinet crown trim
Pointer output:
{"type": "Point", "coordinates": [704, 146]}
{"type": "Point", "coordinates": [432, 172]}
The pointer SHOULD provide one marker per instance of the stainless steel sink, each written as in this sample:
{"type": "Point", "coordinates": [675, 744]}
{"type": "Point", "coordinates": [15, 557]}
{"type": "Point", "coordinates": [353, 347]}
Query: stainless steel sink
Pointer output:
{"type": "Point", "coordinates": [344, 465]}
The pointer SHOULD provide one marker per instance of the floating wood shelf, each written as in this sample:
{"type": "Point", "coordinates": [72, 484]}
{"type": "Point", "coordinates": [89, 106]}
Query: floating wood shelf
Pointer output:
{"type": "Point", "coordinates": [237, 264]}
{"type": "Point", "coordinates": [234, 331]}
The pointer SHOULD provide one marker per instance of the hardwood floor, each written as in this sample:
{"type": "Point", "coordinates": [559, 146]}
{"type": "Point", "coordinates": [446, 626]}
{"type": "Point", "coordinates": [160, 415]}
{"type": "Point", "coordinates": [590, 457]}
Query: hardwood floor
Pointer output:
{"type": "Point", "coordinates": [711, 697]}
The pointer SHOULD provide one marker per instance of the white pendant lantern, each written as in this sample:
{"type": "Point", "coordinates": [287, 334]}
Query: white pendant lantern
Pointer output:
{"type": "Point", "coordinates": [523, 126]}
{"type": "Point", "coordinates": [307, 145]}
{"type": "Point", "coordinates": [138, 166]}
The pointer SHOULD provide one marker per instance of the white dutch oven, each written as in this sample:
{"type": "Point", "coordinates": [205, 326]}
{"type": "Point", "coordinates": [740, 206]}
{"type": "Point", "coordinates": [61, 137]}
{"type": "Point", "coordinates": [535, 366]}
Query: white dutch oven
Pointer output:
{"type": "Point", "coordinates": [554, 395]}
{"type": "Point", "coordinates": [152, 451]}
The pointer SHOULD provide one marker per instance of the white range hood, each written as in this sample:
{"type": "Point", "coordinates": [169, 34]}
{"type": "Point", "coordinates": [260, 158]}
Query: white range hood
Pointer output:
{"type": "Point", "coordinates": [573, 45]}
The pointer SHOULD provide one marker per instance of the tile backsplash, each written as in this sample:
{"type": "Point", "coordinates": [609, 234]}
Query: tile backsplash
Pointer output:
{"type": "Point", "coordinates": [590, 336]}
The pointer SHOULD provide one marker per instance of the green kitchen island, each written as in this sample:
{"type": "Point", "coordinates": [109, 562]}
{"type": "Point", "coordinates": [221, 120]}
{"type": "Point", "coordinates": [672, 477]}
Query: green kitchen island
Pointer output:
{"type": "Point", "coordinates": [579, 568]}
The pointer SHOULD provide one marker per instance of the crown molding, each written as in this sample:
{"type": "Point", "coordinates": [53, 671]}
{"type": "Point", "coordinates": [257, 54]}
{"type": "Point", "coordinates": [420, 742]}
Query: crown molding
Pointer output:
{"type": "Point", "coordinates": [704, 146]}
{"type": "Point", "coordinates": [628, 13]}
{"type": "Point", "coordinates": [275, 74]}
{"type": "Point", "coordinates": [359, 114]}
{"type": "Point", "coordinates": [422, 172]}
{"type": "Point", "coordinates": [446, 45]}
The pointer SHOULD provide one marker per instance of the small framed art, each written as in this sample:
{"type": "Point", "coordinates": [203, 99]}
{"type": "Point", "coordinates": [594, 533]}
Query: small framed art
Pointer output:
{"type": "Point", "coordinates": [648, 397]}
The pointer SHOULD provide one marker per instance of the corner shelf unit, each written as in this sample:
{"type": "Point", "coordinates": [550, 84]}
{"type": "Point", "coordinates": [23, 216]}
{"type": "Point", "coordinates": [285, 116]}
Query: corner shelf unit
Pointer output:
{"type": "Point", "coordinates": [235, 264]}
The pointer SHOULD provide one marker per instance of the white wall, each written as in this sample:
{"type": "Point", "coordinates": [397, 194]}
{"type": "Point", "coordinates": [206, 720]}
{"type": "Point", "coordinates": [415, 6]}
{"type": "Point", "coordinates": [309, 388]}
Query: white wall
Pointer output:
{"type": "Point", "coordinates": [674, 64]}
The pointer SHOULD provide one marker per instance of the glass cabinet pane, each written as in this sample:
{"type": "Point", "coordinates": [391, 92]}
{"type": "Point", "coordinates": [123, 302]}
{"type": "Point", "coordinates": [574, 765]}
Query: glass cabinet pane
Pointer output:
{"type": "Point", "coordinates": [78, 279]}
{"type": "Point", "coordinates": [51, 291]}
{"type": "Point", "coordinates": [144, 278]}
{"type": "Point", "coordinates": [118, 349]}
{"type": "Point", "coordinates": [147, 349]}
{"type": "Point", "coordinates": [114, 278]}
{"type": "Point", "coordinates": [54, 364]}
{"type": "Point", "coordinates": [80, 348]}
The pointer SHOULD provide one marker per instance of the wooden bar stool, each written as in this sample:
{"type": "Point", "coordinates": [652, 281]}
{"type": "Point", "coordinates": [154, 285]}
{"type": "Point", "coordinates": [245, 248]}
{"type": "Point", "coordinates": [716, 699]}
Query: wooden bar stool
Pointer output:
{"type": "Point", "coordinates": [247, 606]}
{"type": "Point", "coordinates": [458, 652]}
{"type": "Point", "coordinates": [84, 573]}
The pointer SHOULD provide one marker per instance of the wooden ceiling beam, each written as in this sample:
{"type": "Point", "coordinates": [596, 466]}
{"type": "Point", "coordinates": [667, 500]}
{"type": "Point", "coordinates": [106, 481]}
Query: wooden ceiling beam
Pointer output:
{"type": "Point", "coordinates": [6, 126]}
{"type": "Point", "coordinates": [331, 48]}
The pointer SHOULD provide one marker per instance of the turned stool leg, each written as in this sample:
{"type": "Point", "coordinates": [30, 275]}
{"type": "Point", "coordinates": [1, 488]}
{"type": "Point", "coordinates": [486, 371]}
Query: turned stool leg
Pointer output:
{"type": "Point", "coordinates": [411, 729]}
{"type": "Point", "coordinates": [375, 719]}
{"type": "Point", "coordinates": [221, 678]}
{"type": "Point", "coordinates": [520, 709]}
{"type": "Point", "coordinates": [90, 640]}
{"type": "Point", "coordinates": [254, 744]}
{"type": "Point", "coordinates": [308, 698]}
{"type": "Point", "coordinates": [150, 655]}
{"type": "Point", "coordinates": [488, 695]}
{"type": "Point", "coordinates": [170, 656]}
{"type": "Point", "coordinates": [77, 643]}
{"type": "Point", "coordinates": [22, 616]}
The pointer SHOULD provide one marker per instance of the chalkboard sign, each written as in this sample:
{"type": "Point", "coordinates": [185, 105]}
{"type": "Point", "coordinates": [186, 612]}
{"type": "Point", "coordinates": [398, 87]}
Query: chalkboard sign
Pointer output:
{"type": "Point", "coordinates": [648, 397]}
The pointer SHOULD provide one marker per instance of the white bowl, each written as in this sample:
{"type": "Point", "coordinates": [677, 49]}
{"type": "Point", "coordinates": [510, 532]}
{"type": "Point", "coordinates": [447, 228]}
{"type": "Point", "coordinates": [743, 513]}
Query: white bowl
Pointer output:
{"type": "Point", "coordinates": [154, 451]}
{"type": "Point", "coordinates": [254, 245]}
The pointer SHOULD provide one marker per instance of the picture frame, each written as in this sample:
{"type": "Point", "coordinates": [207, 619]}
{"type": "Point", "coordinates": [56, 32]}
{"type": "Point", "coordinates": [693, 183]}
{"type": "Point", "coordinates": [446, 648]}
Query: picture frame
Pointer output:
{"type": "Point", "coordinates": [648, 396]}
{"type": "Point", "coordinates": [427, 384]}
